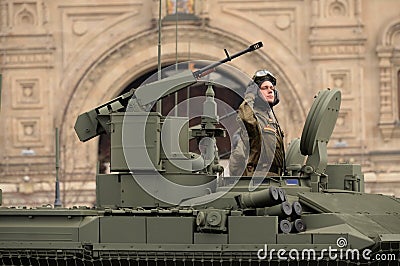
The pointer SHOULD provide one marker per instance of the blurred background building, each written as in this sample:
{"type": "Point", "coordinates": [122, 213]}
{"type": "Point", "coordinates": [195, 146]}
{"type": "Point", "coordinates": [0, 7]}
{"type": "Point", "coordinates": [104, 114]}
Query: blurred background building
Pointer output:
{"type": "Point", "coordinates": [59, 59]}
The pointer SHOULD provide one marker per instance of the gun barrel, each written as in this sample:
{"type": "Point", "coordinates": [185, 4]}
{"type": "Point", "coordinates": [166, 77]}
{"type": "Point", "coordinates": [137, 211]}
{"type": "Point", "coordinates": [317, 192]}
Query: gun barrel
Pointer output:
{"type": "Point", "coordinates": [282, 210]}
{"type": "Point", "coordinates": [282, 194]}
{"type": "Point", "coordinates": [210, 68]}
{"type": "Point", "coordinates": [297, 210]}
{"type": "Point", "coordinates": [298, 225]}
{"type": "Point", "coordinates": [259, 199]}
{"type": "Point", "coordinates": [285, 226]}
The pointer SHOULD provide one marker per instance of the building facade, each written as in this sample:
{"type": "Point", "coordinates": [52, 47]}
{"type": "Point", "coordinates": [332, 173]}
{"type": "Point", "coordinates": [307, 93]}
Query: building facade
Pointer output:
{"type": "Point", "coordinates": [59, 59]}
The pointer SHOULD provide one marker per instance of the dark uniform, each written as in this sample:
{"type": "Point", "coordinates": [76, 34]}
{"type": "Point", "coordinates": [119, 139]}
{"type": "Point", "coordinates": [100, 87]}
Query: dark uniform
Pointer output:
{"type": "Point", "coordinates": [260, 150]}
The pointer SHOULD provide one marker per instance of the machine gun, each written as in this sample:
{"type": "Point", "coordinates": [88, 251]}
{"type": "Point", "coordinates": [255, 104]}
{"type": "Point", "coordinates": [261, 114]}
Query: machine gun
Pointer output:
{"type": "Point", "coordinates": [95, 122]}
{"type": "Point", "coordinates": [154, 149]}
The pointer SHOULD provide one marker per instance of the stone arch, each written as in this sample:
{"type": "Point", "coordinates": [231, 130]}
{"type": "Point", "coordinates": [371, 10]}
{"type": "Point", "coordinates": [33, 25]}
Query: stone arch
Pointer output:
{"type": "Point", "coordinates": [110, 73]}
{"type": "Point", "coordinates": [391, 35]}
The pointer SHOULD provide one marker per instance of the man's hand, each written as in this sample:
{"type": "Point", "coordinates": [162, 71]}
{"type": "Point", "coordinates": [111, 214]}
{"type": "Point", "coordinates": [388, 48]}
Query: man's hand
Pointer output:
{"type": "Point", "coordinates": [251, 92]}
{"type": "Point", "coordinates": [252, 88]}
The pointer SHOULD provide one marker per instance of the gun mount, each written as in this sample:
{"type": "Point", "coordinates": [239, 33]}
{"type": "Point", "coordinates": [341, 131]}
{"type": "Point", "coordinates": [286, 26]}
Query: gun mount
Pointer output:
{"type": "Point", "coordinates": [91, 124]}
{"type": "Point", "coordinates": [164, 204]}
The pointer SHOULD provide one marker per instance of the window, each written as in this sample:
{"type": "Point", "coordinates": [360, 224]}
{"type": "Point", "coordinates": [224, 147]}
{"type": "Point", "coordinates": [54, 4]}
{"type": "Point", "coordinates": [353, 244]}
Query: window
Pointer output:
{"type": "Point", "coordinates": [180, 7]}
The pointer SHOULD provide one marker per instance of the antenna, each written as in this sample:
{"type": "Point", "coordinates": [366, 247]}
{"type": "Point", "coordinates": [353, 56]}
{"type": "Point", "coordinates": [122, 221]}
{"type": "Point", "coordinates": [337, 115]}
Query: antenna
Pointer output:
{"type": "Point", "coordinates": [158, 105]}
{"type": "Point", "coordinates": [0, 88]}
{"type": "Point", "coordinates": [57, 201]}
{"type": "Point", "coordinates": [159, 40]}
{"type": "Point", "coordinates": [176, 55]}
{"type": "Point", "coordinates": [176, 35]}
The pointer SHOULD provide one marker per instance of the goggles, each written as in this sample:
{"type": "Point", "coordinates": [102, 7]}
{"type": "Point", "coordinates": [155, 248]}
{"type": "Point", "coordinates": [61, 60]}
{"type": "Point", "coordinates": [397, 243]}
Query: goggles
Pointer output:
{"type": "Point", "coordinates": [264, 75]}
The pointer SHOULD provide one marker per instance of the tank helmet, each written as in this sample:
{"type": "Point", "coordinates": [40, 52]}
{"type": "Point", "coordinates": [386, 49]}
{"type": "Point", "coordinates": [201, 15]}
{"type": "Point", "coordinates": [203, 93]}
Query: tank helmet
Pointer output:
{"type": "Point", "coordinates": [263, 75]}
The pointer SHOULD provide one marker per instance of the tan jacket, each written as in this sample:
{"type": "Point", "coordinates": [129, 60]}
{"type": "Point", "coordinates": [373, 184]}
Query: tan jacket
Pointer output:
{"type": "Point", "coordinates": [259, 150]}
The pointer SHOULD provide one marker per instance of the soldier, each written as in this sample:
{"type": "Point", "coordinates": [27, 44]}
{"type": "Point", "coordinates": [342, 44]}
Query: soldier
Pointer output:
{"type": "Point", "coordinates": [260, 148]}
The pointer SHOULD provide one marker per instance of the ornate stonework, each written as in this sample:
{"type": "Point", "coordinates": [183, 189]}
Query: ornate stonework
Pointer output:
{"type": "Point", "coordinates": [389, 64]}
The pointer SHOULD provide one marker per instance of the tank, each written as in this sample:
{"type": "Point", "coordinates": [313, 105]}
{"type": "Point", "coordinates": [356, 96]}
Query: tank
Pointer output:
{"type": "Point", "coordinates": [164, 205]}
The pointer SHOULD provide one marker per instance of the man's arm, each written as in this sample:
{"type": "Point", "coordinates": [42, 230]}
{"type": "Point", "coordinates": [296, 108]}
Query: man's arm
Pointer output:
{"type": "Point", "coordinates": [247, 116]}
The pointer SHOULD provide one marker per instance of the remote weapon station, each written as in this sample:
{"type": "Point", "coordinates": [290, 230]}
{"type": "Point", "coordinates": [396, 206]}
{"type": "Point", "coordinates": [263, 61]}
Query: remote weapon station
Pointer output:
{"type": "Point", "coordinates": [164, 205]}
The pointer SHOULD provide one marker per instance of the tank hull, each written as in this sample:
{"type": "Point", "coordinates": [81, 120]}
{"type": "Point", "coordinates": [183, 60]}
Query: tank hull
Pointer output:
{"type": "Point", "coordinates": [83, 236]}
